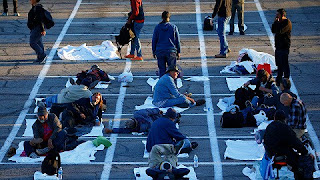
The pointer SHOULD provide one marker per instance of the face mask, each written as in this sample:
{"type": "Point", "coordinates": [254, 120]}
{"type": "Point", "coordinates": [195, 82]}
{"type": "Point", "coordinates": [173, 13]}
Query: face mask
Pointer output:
{"type": "Point", "coordinates": [42, 121]}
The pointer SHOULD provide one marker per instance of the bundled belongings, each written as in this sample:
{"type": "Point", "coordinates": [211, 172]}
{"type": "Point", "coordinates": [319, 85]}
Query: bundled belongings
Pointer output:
{"type": "Point", "coordinates": [92, 77]}
{"type": "Point", "coordinates": [232, 118]}
{"type": "Point", "coordinates": [242, 95]}
{"type": "Point", "coordinates": [51, 163]}
{"type": "Point", "coordinates": [125, 36]}
{"type": "Point", "coordinates": [208, 24]}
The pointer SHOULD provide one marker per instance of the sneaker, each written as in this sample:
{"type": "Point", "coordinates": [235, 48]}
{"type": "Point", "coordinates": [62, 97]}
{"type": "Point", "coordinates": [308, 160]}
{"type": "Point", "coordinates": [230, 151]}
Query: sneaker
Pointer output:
{"type": "Point", "coordinates": [137, 59]}
{"type": "Point", "coordinates": [221, 56]}
{"type": "Point", "coordinates": [230, 33]}
{"type": "Point", "coordinates": [200, 102]}
{"type": "Point", "coordinates": [242, 33]}
{"type": "Point", "coordinates": [4, 14]}
{"type": "Point", "coordinates": [16, 14]}
{"type": "Point", "coordinates": [129, 56]}
{"type": "Point", "coordinates": [194, 145]}
{"type": "Point", "coordinates": [33, 155]}
{"type": "Point", "coordinates": [248, 103]}
{"type": "Point", "coordinates": [178, 147]}
{"type": "Point", "coordinates": [42, 151]}
{"type": "Point", "coordinates": [43, 60]}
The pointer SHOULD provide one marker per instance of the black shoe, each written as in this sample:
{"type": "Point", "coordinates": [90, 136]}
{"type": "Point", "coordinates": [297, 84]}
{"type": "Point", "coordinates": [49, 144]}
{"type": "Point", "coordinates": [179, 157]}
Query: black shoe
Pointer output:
{"type": "Point", "coordinates": [242, 33]}
{"type": "Point", "coordinates": [194, 145]}
{"type": "Point", "coordinates": [230, 33]}
{"type": "Point", "coordinates": [200, 102]}
{"type": "Point", "coordinates": [179, 146]}
{"type": "Point", "coordinates": [71, 80]}
{"type": "Point", "coordinates": [42, 61]}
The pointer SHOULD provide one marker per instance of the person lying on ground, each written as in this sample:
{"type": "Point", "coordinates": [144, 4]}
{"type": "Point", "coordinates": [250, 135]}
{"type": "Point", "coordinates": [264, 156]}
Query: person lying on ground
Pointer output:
{"type": "Point", "coordinates": [91, 77]}
{"type": "Point", "coordinates": [166, 93]}
{"type": "Point", "coordinates": [141, 122]}
{"type": "Point", "coordinates": [164, 131]}
{"type": "Point", "coordinates": [48, 135]}
{"type": "Point", "coordinates": [297, 116]}
{"type": "Point", "coordinates": [281, 140]}
{"type": "Point", "coordinates": [84, 111]}
{"type": "Point", "coordinates": [265, 86]}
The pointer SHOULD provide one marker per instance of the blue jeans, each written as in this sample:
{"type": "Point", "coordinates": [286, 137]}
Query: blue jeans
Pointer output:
{"type": "Point", "coordinates": [135, 44]}
{"type": "Point", "coordinates": [36, 42]}
{"type": "Point", "coordinates": [165, 58]}
{"type": "Point", "coordinates": [50, 100]}
{"type": "Point", "coordinates": [281, 56]}
{"type": "Point", "coordinates": [222, 23]}
{"type": "Point", "coordinates": [180, 102]}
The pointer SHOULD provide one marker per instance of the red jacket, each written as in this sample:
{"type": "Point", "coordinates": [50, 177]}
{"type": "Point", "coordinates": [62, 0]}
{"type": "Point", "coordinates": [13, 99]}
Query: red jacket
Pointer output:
{"type": "Point", "coordinates": [137, 13]}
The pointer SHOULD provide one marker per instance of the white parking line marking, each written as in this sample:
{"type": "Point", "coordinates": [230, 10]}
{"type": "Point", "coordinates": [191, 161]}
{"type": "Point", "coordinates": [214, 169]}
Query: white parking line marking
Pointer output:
{"type": "Point", "coordinates": [113, 34]}
{"type": "Point", "coordinates": [37, 85]}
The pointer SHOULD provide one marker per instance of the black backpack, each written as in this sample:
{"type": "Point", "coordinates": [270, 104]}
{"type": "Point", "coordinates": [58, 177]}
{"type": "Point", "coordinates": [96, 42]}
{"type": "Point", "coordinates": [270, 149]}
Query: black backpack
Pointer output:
{"type": "Point", "coordinates": [207, 26]}
{"type": "Point", "coordinates": [243, 94]}
{"type": "Point", "coordinates": [232, 119]}
{"type": "Point", "coordinates": [125, 36]}
{"type": "Point", "coordinates": [51, 163]}
{"type": "Point", "coordinates": [47, 21]}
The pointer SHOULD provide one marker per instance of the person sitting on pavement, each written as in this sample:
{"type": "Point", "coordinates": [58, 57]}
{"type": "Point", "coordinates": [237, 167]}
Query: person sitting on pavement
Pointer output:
{"type": "Point", "coordinates": [166, 93]}
{"type": "Point", "coordinates": [265, 86]}
{"type": "Point", "coordinates": [141, 122]}
{"type": "Point", "coordinates": [163, 161]}
{"type": "Point", "coordinates": [84, 111]}
{"type": "Point", "coordinates": [164, 131]}
{"type": "Point", "coordinates": [297, 116]}
{"type": "Point", "coordinates": [285, 86]}
{"type": "Point", "coordinates": [91, 77]}
{"type": "Point", "coordinates": [281, 140]}
{"type": "Point", "coordinates": [48, 135]}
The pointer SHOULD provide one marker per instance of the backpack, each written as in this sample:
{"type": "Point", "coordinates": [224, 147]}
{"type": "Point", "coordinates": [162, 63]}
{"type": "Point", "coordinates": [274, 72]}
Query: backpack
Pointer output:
{"type": "Point", "coordinates": [243, 94]}
{"type": "Point", "coordinates": [207, 25]}
{"type": "Point", "coordinates": [125, 36]}
{"type": "Point", "coordinates": [232, 119]}
{"type": "Point", "coordinates": [47, 21]}
{"type": "Point", "coordinates": [51, 163]}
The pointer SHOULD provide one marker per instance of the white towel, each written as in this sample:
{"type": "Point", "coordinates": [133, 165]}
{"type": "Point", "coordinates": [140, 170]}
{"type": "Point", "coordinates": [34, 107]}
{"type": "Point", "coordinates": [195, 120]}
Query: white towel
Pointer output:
{"type": "Point", "coordinates": [83, 153]}
{"type": "Point", "coordinates": [237, 82]}
{"type": "Point", "coordinates": [143, 176]}
{"type": "Point", "coordinates": [148, 104]}
{"type": "Point", "coordinates": [146, 154]}
{"type": "Point", "coordinates": [39, 176]}
{"type": "Point", "coordinates": [244, 150]}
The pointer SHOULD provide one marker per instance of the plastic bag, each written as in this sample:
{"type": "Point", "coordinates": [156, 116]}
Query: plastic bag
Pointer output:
{"type": "Point", "coordinates": [125, 77]}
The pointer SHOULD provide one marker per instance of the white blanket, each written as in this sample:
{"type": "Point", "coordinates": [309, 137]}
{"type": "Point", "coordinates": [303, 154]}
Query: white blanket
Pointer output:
{"type": "Point", "coordinates": [152, 82]}
{"type": "Point", "coordinates": [83, 153]}
{"type": "Point", "coordinates": [148, 104]}
{"type": "Point", "coordinates": [244, 150]}
{"type": "Point", "coordinates": [99, 52]}
{"type": "Point", "coordinates": [39, 176]}
{"type": "Point", "coordinates": [225, 102]}
{"type": "Point", "coordinates": [143, 176]}
{"type": "Point", "coordinates": [100, 85]}
{"type": "Point", "coordinates": [95, 131]}
{"type": "Point", "coordinates": [235, 83]}
{"type": "Point", "coordinates": [146, 154]}
{"type": "Point", "coordinates": [260, 57]}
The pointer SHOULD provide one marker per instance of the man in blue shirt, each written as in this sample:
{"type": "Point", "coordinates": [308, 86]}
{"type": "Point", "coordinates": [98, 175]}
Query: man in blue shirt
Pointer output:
{"type": "Point", "coordinates": [165, 43]}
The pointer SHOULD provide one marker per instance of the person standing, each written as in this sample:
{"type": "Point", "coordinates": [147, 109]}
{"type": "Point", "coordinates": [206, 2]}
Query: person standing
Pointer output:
{"type": "Point", "coordinates": [165, 43]}
{"type": "Point", "coordinates": [136, 20]}
{"type": "Point", "coordinates": [223, 9]}
{"type": "Point", "coordinates": [15, 8]}
{"type": "Point", "coordinates": [237, 5]}
{"type": "Point", "coordinates": [282, 29]}
{"type": "Point", "coordinates": [36, 26]}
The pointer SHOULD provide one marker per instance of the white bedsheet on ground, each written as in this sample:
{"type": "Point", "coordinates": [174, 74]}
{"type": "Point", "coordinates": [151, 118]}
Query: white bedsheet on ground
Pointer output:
{"type": "Point", "coordinates": [197, 78]}
{"type": "Point", "coordinates": [143, 176]}
{"type": "Point", "coordinates": [83, 153]}
{"type": "Point", "coordinates": [236, 82]}
{"type": "Point", "coordinates": [146, 154]}
{"type": "Point", "coordinates": [99, 52]}
{"type": "Point", "coordinates": [148, 104]}
{"type": "Point", "coordinates": [244, 150]}
{"type": "Point", "coordinates": [260, 57]}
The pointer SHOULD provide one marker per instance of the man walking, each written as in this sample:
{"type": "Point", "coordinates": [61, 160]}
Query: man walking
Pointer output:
{"type": "Point", "coordinates": [36, 26]}
{"type": "Point", "coordinates": [15, 8]}
{"type": "Point", "coordinates": [165, 43]}
{"type": "Point", "coordinates": [237, 6]}
{"type": "Point", "coordinates": [282, 29]}
{"type": "Point", "coordinates": [136, 20]}
{"type": "Point", "coordinates": [223, 9]}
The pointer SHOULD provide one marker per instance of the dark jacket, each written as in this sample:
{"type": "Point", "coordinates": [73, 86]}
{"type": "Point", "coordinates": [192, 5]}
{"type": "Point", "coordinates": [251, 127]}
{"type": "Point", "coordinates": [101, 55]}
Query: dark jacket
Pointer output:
{"type": "Point", "coordinates": [222, 8]}
{"type": "Point", "coordinates": [165, 38]}
{"type": "Point", "coordinates": [136, 13]}
{"type": "Point", "coordinates": [279, 139]}
{"type": "Point", "coordinates": [282, 32]}
{"type": "Point", "coordinates": [163, 131]}
{"type": "Point", "coordinates": [36, 17]}
{"type": "Point", "coordinates": [84, 106]}
{"type": "Point", "coordinates": [270, 84]}
{"type": "Point", "coordinates": [54, 124]}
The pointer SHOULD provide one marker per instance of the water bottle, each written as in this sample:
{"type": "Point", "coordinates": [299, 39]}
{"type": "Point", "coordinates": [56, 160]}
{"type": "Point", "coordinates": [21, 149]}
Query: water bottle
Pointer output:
{"type": "Point", "coordinates": [60, 173]}
{"type": "Point", "coordinates": [195, 161]}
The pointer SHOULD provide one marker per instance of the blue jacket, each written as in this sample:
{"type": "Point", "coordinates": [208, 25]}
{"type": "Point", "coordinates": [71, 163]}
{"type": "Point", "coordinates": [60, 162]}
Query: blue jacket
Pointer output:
{"type": "Point", "coordinates": [163, 131]}
{"type": "Point", "coordinates": [165, 89]}
{"type": "Point", "coordinates": [165, 38]}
